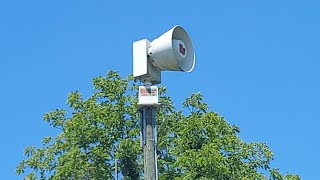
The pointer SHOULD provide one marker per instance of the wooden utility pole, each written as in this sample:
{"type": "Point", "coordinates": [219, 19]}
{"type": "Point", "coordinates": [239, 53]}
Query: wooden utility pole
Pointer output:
{"type": "Point", "coordinates": [149, 148]}
{"type": "Point", "coordinates": [147, 106]}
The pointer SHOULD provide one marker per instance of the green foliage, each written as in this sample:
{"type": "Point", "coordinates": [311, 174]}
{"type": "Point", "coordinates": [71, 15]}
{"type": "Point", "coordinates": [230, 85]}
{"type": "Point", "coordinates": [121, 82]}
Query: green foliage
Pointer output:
{"type": "Point", "coordinates": [104, 129]}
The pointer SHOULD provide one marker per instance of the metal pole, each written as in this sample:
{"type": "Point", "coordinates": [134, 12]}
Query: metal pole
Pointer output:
{"type": "Point", "coordinates": [148, 114]}
{"type": "Point", "coordinates": [116, 168]}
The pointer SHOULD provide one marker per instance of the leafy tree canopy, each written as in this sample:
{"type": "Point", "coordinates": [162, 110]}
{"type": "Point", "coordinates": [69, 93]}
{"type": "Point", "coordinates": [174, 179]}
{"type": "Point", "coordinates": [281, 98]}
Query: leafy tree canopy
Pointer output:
{"type": "Point", "coordinates": [193, 143]}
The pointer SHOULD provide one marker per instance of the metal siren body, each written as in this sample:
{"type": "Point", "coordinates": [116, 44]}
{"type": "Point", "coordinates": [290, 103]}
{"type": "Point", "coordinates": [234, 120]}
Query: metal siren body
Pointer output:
{"type": "Point", "coordinates": [172, 51]}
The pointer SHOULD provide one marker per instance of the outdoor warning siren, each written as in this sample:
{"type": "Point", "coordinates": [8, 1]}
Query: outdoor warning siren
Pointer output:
{"type": "Point", "coordinates": [172, 51]}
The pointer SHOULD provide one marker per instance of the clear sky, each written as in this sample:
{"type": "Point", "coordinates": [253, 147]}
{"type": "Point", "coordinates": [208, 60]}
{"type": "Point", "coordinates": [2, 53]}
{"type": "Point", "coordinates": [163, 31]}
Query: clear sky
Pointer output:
{"type": "Point", "coordinates": [258, 65]}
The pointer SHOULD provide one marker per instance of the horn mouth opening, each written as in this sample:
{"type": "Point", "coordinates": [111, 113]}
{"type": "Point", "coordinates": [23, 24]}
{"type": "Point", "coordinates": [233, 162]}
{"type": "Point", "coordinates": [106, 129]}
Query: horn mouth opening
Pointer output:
{"type": "Point", "coordinates": [188, 62]}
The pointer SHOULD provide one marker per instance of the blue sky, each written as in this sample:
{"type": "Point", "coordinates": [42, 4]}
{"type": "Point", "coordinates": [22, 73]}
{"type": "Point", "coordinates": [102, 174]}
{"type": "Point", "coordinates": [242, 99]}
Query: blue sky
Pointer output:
{"type": "Point", "coordinates": [257, 65]}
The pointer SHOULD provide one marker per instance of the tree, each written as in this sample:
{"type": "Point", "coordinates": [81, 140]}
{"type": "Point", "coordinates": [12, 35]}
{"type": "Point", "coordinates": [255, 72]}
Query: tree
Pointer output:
{"type": "Point", "coordinates": [103, 131]}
